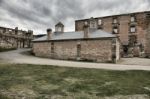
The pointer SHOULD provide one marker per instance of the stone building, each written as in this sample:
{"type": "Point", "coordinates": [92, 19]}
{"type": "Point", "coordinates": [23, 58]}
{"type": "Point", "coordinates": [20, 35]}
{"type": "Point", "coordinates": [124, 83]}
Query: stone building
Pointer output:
{"type": "Point", "coordinates": [87, 45]}
{"type": "Point", "coordinates": [14, 38]}
{"type": "Point", "coordinates": [133, 30]}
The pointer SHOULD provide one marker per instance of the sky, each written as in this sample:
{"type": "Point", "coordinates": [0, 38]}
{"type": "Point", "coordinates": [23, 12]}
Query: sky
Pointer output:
{"type": "Point", "coordinates": [38, 15]}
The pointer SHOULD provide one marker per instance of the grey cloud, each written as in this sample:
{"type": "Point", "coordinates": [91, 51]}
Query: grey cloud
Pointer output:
{"type": "Point", "coordinates": [1, 1]}
{"type": "Point", "coordinates": [41, 14]}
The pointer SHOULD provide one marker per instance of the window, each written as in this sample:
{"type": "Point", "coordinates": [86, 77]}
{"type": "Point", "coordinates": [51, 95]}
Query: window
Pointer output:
{"type": "Point", "coordinates": [93, 23]}
{"type": "Point", "coordinates": [132, 19]}
{"type": "Point", "coordinates": [99, 22]}
{"type": "Point", "coordinates": [85, 23]}
{"type": "Point", "coordinates": [132, 29]}
{"type": "Point", "coordinates": [58, 29]}
{"type": "Point", "coordinates": [132, 40]}
{"type": "Point", "coordinates": [78, 50]}
{"type": "Point", "coordinates": [115, 20]}
{"type": "Point", "coordinates": [52, 47]}
{"type": "Point", "coordinates": [115, 30]}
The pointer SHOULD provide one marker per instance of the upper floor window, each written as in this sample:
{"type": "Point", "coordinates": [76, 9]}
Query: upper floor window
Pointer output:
{"type": "Point", "coordinates": [99, 22]}
{"type": "Point", "coordinates": [132, 18]}
{"type": "Point", "coordinates": [115, 30]}
{"type": "Point", "coordinates": [132, 29]}
{"type": "Point", "coordinates": [115, 20]}
{"type": "Point", "coordinates": [93, 23]}
{"type": "Point", "coordinates": [85, 23]}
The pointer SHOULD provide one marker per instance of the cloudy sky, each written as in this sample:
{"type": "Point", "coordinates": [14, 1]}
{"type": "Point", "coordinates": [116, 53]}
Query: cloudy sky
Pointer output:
{"type": "Point", "coordinates": [38, 15]}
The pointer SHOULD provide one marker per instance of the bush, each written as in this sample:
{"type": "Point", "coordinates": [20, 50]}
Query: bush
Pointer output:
{"type": "Point", "coordinates": [6, 49]}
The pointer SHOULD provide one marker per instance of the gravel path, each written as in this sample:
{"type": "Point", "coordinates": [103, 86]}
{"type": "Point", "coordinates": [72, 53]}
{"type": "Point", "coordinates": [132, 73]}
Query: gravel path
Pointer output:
{"type": "Point", "coordinates": [135, 61]}
{"type": "Point", "coordinates": [17, 57]}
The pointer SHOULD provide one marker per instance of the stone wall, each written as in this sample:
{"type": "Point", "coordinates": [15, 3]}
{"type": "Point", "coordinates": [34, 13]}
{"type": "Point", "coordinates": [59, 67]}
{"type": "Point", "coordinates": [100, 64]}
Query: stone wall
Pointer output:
{"type": "Point", "coordinates": [148, 42]}
{"type": "Point", "coordinates": [91, 50]}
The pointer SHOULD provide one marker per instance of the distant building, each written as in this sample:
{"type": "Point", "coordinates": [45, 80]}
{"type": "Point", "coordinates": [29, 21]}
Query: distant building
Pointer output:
{"type": "Point", "coordinates": [133, 29]}
{"type": "Point", "coordinates": [14, 38]}
{"type": "Point", "coordinates": [89, 44]}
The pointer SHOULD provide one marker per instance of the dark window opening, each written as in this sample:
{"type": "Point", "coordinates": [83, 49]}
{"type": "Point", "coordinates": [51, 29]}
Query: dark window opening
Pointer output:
{"type": "Point", "coordinates": [52, 47]}
{"type": "Point", "coordinates": [78, 50]}
{"type": "Point", "coordinates": [132, 40]}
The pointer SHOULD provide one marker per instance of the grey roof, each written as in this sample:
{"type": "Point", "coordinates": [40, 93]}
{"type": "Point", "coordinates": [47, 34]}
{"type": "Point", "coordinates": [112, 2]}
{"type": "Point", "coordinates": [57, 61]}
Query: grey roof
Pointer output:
{"type": "Point", "coordinates": [59, 24]}
{"type": "Point", "coordinates": [77, 35]}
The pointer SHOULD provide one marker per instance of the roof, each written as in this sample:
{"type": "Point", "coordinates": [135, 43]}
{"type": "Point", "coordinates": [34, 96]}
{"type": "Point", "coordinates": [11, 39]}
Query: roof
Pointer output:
{"type": "Point", "coordinates": [59, 24]}
{"type": "Point", "coordinates": [77, 35]}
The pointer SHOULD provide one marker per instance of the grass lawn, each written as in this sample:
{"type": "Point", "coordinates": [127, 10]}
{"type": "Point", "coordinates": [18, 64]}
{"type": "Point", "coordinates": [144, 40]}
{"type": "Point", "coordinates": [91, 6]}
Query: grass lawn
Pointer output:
{"type": "Point", "coordinates": [43, 82]}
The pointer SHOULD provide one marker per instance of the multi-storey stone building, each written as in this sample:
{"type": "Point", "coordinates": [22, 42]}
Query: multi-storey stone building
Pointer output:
{"type": "Point", "coordinates": [14, 38]}
{"type": "Point", "coordinates": [133, 29]}
{"type": "Point", "coordinates": [89, 44]}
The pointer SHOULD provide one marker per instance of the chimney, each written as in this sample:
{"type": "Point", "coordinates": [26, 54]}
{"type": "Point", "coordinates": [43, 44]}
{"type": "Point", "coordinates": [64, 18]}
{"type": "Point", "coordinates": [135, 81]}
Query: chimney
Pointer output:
{"type": "Point", "coordinates": [49, 32]}
{"type": "Point", "coordinates": [86, 30]}
{"type": "Point", "coordinates": [16, 30]}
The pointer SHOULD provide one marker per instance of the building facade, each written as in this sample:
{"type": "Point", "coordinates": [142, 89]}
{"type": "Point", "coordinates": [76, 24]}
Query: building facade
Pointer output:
{"type": "Point", "coordinates": [87, 45]}
{"type": "Point", "coordinates": [14, 38]}
{"type": "Point", "coordinates": [132, 29]}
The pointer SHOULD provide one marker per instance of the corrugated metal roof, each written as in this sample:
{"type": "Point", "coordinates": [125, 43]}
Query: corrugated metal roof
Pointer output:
{"type": "Point", "coordinates": [77, 35]}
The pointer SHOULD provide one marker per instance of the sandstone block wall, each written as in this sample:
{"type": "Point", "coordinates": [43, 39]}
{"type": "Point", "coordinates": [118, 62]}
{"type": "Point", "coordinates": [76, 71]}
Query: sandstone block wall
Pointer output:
{"type": "Point", "coordinates": [91, 50]}
{"type": "Point", "coordinates": [148, 42]}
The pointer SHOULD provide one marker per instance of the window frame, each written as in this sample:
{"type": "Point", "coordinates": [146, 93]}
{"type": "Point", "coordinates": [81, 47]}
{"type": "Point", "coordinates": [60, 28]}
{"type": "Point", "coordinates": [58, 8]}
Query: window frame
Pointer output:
{"type": "Point", "coordinates": [132, 30]}
{"type": "Point", "coordinates": [52, 48]}
{"type": "Point", "coordinates": [115, 20]}
{"type": "Point", "coordinates": [100, 22]}
{"type": "Point", "coordinates": [115, 28]}
{"type": "Point", "coordinates": [133, 18]}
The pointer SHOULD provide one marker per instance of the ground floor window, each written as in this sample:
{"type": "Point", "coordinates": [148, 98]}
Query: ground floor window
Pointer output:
{"type": "Point", "coordinates": [78, 50]}
{"type": "Point", "coordinates": [132, 40]}
{"type": "Point", "coordinates": [52, 47]}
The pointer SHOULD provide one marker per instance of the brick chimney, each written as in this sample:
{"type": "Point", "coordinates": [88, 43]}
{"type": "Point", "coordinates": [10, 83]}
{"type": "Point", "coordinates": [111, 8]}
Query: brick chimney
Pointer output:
{"type": "Point", "coordinates": [86, 30]}
{"type": "Point", "coordinates": [49, 32]}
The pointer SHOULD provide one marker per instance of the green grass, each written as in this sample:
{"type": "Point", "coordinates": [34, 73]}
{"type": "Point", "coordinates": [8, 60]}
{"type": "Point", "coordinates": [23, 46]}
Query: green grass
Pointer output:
{"type": "Point", "coordinates": [40, 81]}
{"type": "Point", "coordinates": [6, 49]}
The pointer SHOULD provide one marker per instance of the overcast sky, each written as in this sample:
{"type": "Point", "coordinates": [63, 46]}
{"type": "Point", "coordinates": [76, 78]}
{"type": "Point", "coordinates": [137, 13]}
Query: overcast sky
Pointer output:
{"type": "Point", "coordinates": [38, 15]}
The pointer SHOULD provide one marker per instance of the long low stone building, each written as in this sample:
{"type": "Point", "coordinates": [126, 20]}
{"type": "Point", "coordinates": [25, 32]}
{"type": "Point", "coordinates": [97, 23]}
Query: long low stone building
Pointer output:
{"type": "Point", "coordinates": [88, 45]}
